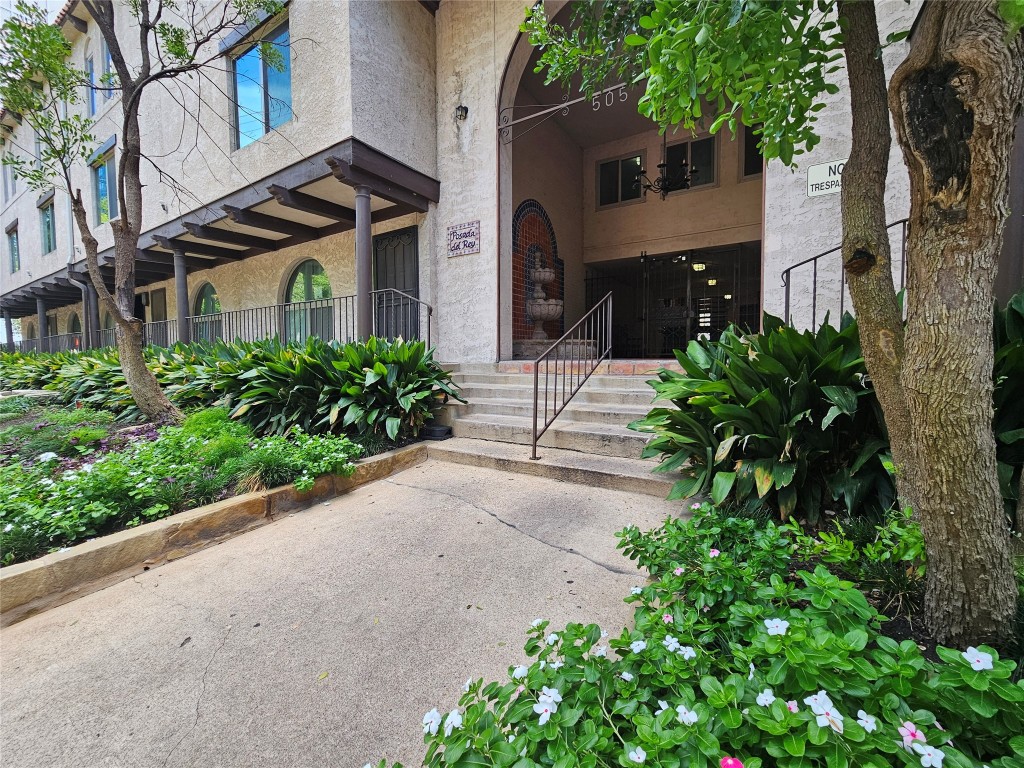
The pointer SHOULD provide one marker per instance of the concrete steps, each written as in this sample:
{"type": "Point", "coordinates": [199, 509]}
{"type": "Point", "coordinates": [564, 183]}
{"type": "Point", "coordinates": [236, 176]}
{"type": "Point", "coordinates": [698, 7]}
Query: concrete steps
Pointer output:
{"type": "Point", "coordinates": [612, 472]}
{"type": "Point", "coordinates": [500, 408]}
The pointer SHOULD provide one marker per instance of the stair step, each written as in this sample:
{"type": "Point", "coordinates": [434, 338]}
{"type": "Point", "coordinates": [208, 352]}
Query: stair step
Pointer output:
{"type": "Point", "coordinates": [613, 472]}
{"type": "Point", "coordinates": [586, 437]}
{"type": "Point", "coordinates": [639, 383]}
{"type": "Point", "coordinates": [588, 394]}
{"type": "Point", "coordinates": [620, 414]}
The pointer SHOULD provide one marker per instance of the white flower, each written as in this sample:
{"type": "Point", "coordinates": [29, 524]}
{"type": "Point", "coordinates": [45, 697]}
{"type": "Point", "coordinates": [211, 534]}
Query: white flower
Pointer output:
{"type": "Point", "coordinates": [545, 709]}
{"type": "Point", "coordinates": [638, 645]}
{"type": "Point", "coordinates": [600, 651]}
{"type": "Point", "coordinates": [452, 722]}
{"type": "Point", "coordinates": [792, 706]}
{"type": "Point", "coordinates": [978, 660]}
{"type": "Point", "coordinates": [465, 686]}
{"type": "Point", "coordinates": [47, 456]}
{"type": "Point", "coordinates": [519, 672]}
{"type": "Point", "coordinates": [671, 644]}
{"type": "Point", "coordinates": [638, 755]}
{"type": "Point", "coordinates": [695, 506]}
{"type": "Point", "coordinates": [662, 707]}
{"type": "Point", "coordinates": [829, 716]}
{"type": "Point", "coordinates": [686, 716]}
{"type": "Point", "coordinates": [431, 721]}
{"type": "Point", "coordinates": [766, 697]}
{"type": "Point", "coordinates": [550, 694]}
{"type": "Point", "coordinates": [557, 664]}
{"type": "Point", "coordinates": [8, 528]}
{"type": "Point", "coordinates": [536, 622]}
{"type": "Point", "coordinates": [687, 652]}
{"type": "Point", "coordinates": [931, 757]}
{"type": "Point", "coordinates": [751, 675]}
{"type": "Point", "coordinates": [636, 590]}
{"type": "Point", "coordinates": [776, 626]}
{"type": "Point", "coordinates": [819, 702]}
{"type": "Point", "coordinates": [627, 677]}
{"type": "Point", "coordinates": [866, 721]}
{"type": "Point", "coordinates": [604, 633]}
{"type": "Point", "coordinates": [552, 639]}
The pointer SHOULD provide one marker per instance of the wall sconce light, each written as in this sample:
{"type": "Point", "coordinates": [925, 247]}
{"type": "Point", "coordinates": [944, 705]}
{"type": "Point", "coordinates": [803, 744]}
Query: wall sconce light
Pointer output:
{"type": "Point", "coordinates": [712, 281]}
{"type": "Point", "coordinates": [727, 296]}
{"type": "Point", "coordinates": [461, 112]}
{"type": "Point", "coordinates": [698, 267]}
{"type": "Point", "coordinates": [144, 299]}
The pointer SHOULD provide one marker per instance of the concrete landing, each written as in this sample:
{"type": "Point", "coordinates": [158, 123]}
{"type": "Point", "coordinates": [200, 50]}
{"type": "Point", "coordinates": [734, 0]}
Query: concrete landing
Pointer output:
{"type": "Point", "coordinates": [322, 638]}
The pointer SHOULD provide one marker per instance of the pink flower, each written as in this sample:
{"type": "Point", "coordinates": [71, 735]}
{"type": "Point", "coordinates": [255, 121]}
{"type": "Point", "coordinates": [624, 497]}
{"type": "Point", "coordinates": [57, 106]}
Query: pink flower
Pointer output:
{"type": "Point", "coordinates": [730, 762]}
{"type": "Point", "coordinates": [667, 618]}
{"type": "Point", "coordinates": [714, 553]}
{"type": "Point", "coordinates": [910, 733]}
{"type": "Point", "coordinates": [792, 706]}
{"type": "Point", "coordinates": [678, 571]}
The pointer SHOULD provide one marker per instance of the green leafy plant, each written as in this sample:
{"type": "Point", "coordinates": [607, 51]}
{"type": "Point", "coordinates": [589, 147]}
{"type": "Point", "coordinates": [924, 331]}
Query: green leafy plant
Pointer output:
{"type": "Point", "coordinates": [1008, 399]}
{"type": "Point", "coordinates": [784, 418]}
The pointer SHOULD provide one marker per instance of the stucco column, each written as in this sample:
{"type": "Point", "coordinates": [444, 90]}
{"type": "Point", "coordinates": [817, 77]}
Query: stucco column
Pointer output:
{"type": "Point", "coordinates": [41, 323]}
{"type": "Point", "coordinates": [181, 296]}
{"type": "Point", "coordinates": [9, 328]}
{"type": "Point", "coordinates": [364, 265]}
{"type": "Point", "coordinates": [92, 309]}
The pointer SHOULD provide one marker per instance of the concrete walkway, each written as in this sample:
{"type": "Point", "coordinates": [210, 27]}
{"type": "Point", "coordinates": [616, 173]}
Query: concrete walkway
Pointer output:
{"type": "Point", "coordinates": [321, 639]}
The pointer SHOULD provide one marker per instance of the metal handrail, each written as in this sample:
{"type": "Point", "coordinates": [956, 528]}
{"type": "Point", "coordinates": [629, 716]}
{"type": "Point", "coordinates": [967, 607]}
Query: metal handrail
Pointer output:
{"type": "Point", "coordinates": [394, 308]}
{"type": "Point", "coordinates": [589, 342]}
{"type": "Point", "coordinates": [788, 273]}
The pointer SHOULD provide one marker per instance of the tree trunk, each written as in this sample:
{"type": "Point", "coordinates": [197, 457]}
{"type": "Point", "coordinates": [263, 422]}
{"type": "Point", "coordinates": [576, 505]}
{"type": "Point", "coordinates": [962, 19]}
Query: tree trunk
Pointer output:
{"type": "Point", "coordinates": [955, 101]}
{"type": "Point", "coordinates": [866, 252]}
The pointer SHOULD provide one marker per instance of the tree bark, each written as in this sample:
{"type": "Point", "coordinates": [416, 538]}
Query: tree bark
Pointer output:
{"type": "Point", "coordinates": [867, 259]}
{"type": "Point", "coordinates": [955, 101]}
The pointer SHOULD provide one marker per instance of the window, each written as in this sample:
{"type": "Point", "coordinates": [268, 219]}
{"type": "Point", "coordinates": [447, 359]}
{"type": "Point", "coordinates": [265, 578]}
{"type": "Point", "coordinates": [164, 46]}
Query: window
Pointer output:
{"type": "Point", "coordinates": [39, 152]}
{"type": "Point", "coordinates": [104, 187]}
{"type": "Point", "coordinates": [13, 250]}
{"type": "Point", "coordinates": [310, 289]}
{"type": "Point", "coordinates": [207, 322]}
{"type": "Point", "coordinates": [90, 74]}
{"type": "Point", "coordinates": [74, 324]}
{"type": "Point", "coordinates": [699, 154]}
{"type": "Point", "coordinates": [48, 227]}
{"type": "Point", "coordinates": [753, 161]}
{"type": "Point", "coordinates": [10, 181]}
{"type": "Point", "coordinates": [618, 181]}
{"type": "Point", "coordinates": [108, 67]}
{"type": "Point", "coordinates": [263, 93]}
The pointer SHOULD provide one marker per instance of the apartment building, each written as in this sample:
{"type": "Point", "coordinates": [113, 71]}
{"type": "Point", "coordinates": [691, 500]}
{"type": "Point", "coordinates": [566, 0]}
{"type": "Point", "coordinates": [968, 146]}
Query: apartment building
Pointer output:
{"type": "Point", "coordinates": [408, 169]}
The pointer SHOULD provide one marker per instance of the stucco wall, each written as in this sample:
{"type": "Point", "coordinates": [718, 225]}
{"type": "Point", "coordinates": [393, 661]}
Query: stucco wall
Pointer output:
{"type": "Point", "coordinates": [797, 226]}
{"type": "Point", "coordinates": [392, 54]}
{"type": "Point", "coordinates": [724, 213]}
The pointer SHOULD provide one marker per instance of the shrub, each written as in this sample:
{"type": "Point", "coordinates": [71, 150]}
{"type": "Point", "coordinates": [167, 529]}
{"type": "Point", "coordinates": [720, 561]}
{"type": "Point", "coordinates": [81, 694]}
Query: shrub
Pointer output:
{"type": "Point", "coordinates": [735, 662]}
{"type": "Point", "coordinates": [784, 418]}
{"type": "Point", "coordinates": [1008, 399]}
{"type": "Point", "coordinates": [49, 504]}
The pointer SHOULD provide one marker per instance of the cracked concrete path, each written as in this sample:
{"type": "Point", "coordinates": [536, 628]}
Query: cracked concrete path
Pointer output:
{"type": "Point", "coordinates": [320, 639]}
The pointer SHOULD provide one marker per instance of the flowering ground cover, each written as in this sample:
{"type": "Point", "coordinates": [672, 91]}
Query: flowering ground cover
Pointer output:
{"type": "Point", "coordinates": [739, 657]}
{"type": "Point", "coordinates": [70, 474]}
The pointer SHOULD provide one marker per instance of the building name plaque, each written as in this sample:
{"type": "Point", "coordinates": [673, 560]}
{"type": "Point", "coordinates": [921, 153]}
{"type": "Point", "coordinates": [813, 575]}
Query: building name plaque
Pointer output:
{"type": "Point", "coordinates": [825, 179]}
{"type": "Point", "coordinates": [464, 239]}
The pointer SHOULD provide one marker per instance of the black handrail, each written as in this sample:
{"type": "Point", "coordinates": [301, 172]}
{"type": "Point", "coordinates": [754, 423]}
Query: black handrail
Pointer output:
{"type": "Point", "coordinates": [787, 274]}
{"type": "Point", "coordinates": [589, 342]}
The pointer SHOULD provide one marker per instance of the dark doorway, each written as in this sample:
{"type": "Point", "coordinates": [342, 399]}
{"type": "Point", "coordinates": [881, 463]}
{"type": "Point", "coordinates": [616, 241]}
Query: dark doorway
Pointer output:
{"type": "Point", "coordinates": [396, 277]}
{"type": "Point", "coordinates": [662, 302]}
{"type": "Point", "coordinates": [157, 329]}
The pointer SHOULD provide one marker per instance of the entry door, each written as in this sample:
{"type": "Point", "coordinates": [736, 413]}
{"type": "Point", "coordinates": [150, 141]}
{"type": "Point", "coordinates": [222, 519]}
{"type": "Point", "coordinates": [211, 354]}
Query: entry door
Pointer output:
{"type": "Point", "coordinates": [158, 315]}
{"type": "Point", "coordinates": [396, 265]}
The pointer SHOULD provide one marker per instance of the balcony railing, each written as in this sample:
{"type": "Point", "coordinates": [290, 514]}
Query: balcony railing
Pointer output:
{"type": "Point", "coordinates": [395, 314]}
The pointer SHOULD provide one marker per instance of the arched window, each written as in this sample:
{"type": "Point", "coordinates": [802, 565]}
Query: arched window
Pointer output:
{"type": "Point", "coordinates": [74, 323]}
{"type": "Point", "coordinates": [310, 311]}
{"type": "Point", "coordinates": [207, 323]}
{"type": "Point", "coordinates": [28, 330]}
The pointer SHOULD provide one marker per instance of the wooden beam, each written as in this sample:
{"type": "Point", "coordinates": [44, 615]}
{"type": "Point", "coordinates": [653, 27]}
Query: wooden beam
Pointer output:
{"type": "Point", "coordinates": [270, 223]}
{"type": "Point", "coordinates": [345, 173]}
{"type": "Point", "coordinates": [369, 160]}
{"type": "Point", "coordinates": [204, 249]}
{"type": "Point", "coordinates": [78, 24]}
{"type": "Point", "coordinates": [205, 232]}
{"type": "Point", "coordinates": [300, 201]}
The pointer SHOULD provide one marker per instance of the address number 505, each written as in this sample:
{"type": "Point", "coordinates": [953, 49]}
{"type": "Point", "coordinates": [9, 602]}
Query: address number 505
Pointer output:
{"type": "Point", "coordinates": [609, 98]}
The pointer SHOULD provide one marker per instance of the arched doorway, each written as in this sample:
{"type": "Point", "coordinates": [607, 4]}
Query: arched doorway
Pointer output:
{"type": "Point", "coordinates": [309, 310]}
{"type": "Point", "coordinates": [207, 321]}
{"type": "Point", "coordinates": [679, 265]}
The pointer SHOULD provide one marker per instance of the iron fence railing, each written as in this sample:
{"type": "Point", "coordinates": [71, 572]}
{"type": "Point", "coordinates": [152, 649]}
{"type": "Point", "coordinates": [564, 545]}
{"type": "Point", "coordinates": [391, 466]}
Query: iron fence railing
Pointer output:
{"type": "Point", "coordinates": [814, 280]}
{"type": "Point", "coordinates": [568, 363]}
{"type": "Point", "coordinates": [396, 314]}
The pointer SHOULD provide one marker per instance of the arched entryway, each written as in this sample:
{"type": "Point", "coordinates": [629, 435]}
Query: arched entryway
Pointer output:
{"type": "Point", "coordinates": [680, 265]}
{"type": "Point", "coordinates": [207, 321]}
{"type": "Point", "coordinates": [308, 310]}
